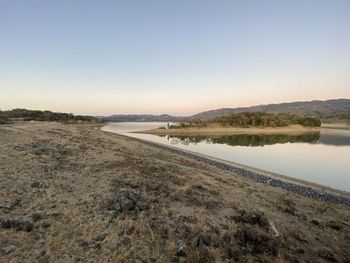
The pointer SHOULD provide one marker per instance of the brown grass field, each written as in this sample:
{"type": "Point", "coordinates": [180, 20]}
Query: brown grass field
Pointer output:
{"type": "Point", "coordinates": [73, 193]}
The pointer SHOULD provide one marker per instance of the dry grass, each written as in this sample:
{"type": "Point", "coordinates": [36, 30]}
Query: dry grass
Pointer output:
{"type": "Point", "coordinates": [86, 174]}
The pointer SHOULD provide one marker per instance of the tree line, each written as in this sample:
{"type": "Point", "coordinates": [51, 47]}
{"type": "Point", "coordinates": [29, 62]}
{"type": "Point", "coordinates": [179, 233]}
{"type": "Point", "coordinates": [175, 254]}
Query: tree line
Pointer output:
{"type": "Point", "coordinates": [37, 115]}
{"type": "Point", "coordinates": [263, 119]}
{"type": "Point", "coordinates": [253, 119]}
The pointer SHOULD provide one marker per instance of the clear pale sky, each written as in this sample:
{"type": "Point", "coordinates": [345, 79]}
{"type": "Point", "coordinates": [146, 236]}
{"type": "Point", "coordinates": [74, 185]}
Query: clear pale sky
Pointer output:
{"type": "Point", "coordinates": [171, 56]}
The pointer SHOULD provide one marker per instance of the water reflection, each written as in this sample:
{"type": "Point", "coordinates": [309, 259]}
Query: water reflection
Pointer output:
{"type": "Point", "coordinates": [246, 139]}
{"type": "Point", "coordinates": [316, 157]}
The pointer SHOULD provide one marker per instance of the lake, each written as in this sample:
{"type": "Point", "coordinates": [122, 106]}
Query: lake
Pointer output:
{"type": "Point", "coordinates": [319, 157]}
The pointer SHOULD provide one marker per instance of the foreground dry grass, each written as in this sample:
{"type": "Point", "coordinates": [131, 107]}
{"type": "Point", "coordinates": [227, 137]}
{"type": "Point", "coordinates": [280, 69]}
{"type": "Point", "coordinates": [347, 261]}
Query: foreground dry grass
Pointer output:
{"type": "Point", "coordinates": [73, 193]}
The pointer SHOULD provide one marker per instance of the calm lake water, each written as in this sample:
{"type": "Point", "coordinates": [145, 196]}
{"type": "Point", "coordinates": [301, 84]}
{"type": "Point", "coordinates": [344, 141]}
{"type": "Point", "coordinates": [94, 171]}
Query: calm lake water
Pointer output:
{"type": "Point", "coordinates": [321, 157]}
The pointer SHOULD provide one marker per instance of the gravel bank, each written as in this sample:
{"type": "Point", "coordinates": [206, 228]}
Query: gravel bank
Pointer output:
{"type": "Point", "coordinates": [257, 177]}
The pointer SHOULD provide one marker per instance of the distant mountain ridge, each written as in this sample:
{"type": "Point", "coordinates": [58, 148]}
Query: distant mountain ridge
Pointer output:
{"type": "Point", "coordinates": [315, 108]}
{"type": "Point", "coordinates": [142, 118]}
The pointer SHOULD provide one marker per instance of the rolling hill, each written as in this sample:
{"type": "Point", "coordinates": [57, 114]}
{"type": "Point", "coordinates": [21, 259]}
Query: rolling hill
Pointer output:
{"type": "Point", "coordinates": [142, 118]}
{"type": "Point", "coordinates": [315, 108]}
{"type": "Point", "coordinates": [326, 109]}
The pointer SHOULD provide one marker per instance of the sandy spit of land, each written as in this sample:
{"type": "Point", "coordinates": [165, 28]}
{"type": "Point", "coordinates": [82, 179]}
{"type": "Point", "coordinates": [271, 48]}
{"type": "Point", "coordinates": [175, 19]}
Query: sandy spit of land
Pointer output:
{"type": "Point", "coordinates": [216, 129]}
{"type": "Point", "coordinates": [75, 193]}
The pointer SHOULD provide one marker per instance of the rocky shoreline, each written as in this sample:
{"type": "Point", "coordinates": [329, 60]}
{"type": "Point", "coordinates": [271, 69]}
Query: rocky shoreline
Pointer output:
{"type": "Point", "coordinates": [257, 177]}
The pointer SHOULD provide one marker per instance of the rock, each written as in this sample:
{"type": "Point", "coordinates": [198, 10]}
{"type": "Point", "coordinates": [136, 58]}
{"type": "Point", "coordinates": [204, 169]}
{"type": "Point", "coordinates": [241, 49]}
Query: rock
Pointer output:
{"type": "Point", "coordinates": [200, 242]}
{"type": "Point", "coordinates": [205, 238]}
{"type": "Point", "coordinates": [195, 242]}
{"type": "Point", "coordinates": [44, 259]}
{"type": "Point", "coordinates": [203, 250]}
{"type": "Point", "coordinates": [129, 229]}
{"type": "Point", "coordinates": [234, 253]}
{"type": "Point", "coordinates": [127, 200]}
{"type": "Point", "coordinates": [100, 237]}
{"type": "Point", "coordinates": [86, 243]}
{"type": "Point", "coordinates": [182, 230]}
{"type": "Point", "coordinates": [252, 218]}
{"type": "Point", "coordinates": [126, 203]}
{"type": "Point", "coordinates": [300, 251]}
{"type": "Point", "coordinates": [326, 254]}
{"type": "Point", "coordinates": [315, 222]}
{"type": "Point", "coordinates": [227, 237]}
{"type": "Point", "coordinates": [45, 225]}
{"type": "Point", "coordinates": [37, 184]}
{"type": "Point", "coordinates": [256, 243]}
{"type": "Point", "coordinates": [5, 206]}
{"type": "Point", "coordinates": [18, 224]}
{"type": "Point", "coordinates": [164, 232]}
{"type": "Point", "coordinates": [182, 250]}
{"type": "Point", "coordinates": [334, 225]}
{"type": "Point", "coordinates": [42, 252]}
{"type": "Point", "coordinates": [36, 217]}
{"type": "Point", "coordinates": [7, 249]}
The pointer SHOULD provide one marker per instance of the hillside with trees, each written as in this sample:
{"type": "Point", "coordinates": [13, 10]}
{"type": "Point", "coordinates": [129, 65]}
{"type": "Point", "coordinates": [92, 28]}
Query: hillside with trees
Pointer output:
{"type": "Point", "coordinates": [37, 115]}
{"type": "Point", "coordinates": [253, 119]}
{"type": "Point", "coordinates": [328, 109]}
{"type": "Point", "coordinates": [262, 119]}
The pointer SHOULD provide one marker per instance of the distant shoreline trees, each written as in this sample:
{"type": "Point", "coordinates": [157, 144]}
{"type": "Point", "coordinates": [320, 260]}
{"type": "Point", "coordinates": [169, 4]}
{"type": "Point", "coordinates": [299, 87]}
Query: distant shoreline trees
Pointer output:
{"type": "Point", "coordinates": [254, 119]}
{"type": "Point", "coordinates": [37, 115]}
{"type": "Point", "coordinates": [262, 119]}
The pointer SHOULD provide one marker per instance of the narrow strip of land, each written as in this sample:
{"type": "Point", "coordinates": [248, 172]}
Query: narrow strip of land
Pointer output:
{"type": "Point", "coordinates": [219, 129]}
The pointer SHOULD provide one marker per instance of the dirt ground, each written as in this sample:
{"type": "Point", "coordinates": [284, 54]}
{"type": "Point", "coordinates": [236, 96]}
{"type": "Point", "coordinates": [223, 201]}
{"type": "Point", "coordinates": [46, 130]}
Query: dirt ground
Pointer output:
{"type": "Point", "coordinates": [73, 193]}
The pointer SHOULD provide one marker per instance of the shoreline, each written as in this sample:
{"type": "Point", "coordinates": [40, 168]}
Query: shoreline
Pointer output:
{"type": "Point", "coordinates": [295, 185]}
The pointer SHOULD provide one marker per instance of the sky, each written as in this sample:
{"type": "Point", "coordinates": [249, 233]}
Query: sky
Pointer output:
{"type": "Point", "coordinates": [171, 56]}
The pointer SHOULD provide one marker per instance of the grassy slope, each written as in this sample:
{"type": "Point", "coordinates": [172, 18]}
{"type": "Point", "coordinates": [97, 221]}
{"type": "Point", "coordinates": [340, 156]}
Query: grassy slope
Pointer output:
{"type": "Point", "coordinates": [99, 197]}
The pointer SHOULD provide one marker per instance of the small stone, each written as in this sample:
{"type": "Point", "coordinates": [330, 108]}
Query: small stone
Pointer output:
{"type": "Point", "coordinates": [334, 225]}
{"type": "Point", "coordinates": [227, 237]}
{"type": "Point", "coordinates": [129, 229]}
{"type": "Point", "coordinates": [7, 249]}
{"type": "Point", "coordinates": [182, 250]}
{"type": "Point", "coordinates": [300, 251]}
{"type": "Point", "coordinates": [36, 217]}
{"type": "Point", "coordinates": [44, 259]}
{"type": "Point", "coordinates": [326, 254]}
{"type": "Point", "coordinates": [100, 237]}
{"type": "Point", "coordinates": [126, 204]}
{"type": "Point", "coordinates": [205, 238]}
{"type": "Point", "coordinates": [42, 252]}
{"type": "Point", "coordinates": [45, 225]}
{"type": "Point", "coordinates": [234, 253]}
{"type": "Point", "coordinates": [5, 206]}
{"type": "Point", "coordinates": [195, 242]}
{"type": "Point", "coordinates": [18, 224]}
{"type": "Point", "coordinates": [164, 232]}
{"type": "Point", "coordinates": [37, 184]}
{"type": "Point", "coordinates": [315, 222]}
{"type": "Point", "coordinates": [203, 250]}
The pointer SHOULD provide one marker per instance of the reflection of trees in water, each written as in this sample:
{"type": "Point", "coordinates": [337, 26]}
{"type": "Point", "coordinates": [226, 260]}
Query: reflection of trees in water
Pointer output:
{"type": "Point", "coordinates": [246, 139]}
